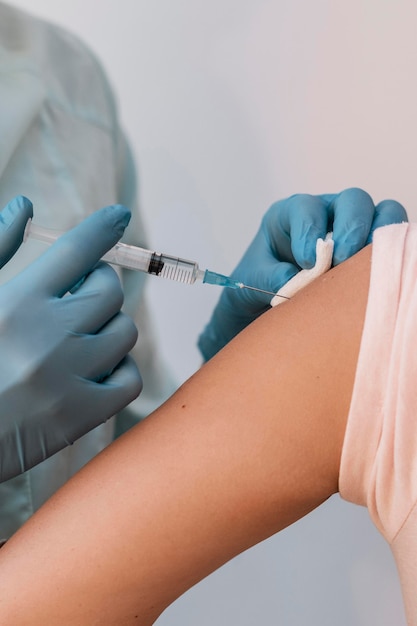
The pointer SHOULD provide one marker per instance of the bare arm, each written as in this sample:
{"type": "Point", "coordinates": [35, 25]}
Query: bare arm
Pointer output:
{"type": "Point", "coordinates": [247, 446]}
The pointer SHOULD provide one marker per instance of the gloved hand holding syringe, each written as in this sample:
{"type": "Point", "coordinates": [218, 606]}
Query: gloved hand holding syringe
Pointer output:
{"type": "Point", "coordinates": [157, 264]}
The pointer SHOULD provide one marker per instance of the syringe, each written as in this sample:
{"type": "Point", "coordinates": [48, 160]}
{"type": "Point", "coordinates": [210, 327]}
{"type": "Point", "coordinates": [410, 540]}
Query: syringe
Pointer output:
{"type": "Point", "coordinates": [157, 264]}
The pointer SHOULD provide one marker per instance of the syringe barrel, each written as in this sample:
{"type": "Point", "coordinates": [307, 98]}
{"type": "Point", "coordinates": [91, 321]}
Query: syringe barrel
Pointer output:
{"type": "Point", "coordinates": [174, 268]}
{"type": "Point", "coordinates": [164, 265]}
{"type": "Point", "coordinates": [131, 257]}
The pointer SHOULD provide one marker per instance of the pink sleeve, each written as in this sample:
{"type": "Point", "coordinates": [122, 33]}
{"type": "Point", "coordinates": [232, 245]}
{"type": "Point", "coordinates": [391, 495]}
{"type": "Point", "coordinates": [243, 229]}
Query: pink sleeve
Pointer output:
{"type": "Point", "coordinates": [379, 457]}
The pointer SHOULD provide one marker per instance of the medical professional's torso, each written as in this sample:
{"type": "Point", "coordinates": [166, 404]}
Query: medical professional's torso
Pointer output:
{"type": "Point", "coordinates": [60, 145]}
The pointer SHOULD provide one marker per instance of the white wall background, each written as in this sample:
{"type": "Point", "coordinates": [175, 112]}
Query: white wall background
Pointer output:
{"type": "Point", "coordinates": [230, 105]}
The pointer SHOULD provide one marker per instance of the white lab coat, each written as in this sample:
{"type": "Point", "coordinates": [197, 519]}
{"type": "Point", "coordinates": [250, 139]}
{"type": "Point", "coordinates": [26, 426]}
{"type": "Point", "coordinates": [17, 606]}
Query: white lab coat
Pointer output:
{"type": "Point", "coordinates": [61, 145]}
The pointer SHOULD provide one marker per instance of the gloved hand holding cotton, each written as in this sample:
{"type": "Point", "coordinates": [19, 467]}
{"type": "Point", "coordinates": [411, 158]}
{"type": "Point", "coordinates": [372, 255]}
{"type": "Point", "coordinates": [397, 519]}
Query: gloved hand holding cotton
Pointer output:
{"type": "Point", "coordinates": [285, 244]}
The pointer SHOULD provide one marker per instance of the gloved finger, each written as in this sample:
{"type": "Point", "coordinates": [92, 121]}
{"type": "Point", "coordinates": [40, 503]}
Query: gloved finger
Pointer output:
{"type": "Point", "coordinates": [328, 199]}
{"type": "Point", "coordinates": [293, 227]}
{"type": "Point", "coordinates": [98, 355]}
{"type": "Point", "coordinates": [119, 389]}
{"type": "Point", "coordinates": [280, 275]}
{"type": "Point", "coordinates": [353, 215]}
{"type": "Point", "coordinates": [13, 220]}
{"type": "Point", "coordinates": [269, 276]}
{"type": "Point", "coordinates": [387, 212]}
{"type": "Point", "coordinates": [105, 399]}
{"type": "Point", "coordinates": [259, 268]}
{"type": "Point", "coordinates": [97, 299]}
{"type": "Point", "coordinates": [76, 252]}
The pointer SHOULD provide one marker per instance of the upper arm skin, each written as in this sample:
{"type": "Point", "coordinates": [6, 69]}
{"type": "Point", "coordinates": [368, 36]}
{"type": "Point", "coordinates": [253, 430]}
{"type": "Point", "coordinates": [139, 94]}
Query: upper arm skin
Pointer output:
{"type": "Point", "coordinates": [248, 445]}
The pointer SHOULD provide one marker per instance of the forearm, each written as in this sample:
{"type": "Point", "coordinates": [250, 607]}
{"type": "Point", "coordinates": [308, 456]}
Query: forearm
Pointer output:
{"type": "Point", "coordinates": [250, 444]}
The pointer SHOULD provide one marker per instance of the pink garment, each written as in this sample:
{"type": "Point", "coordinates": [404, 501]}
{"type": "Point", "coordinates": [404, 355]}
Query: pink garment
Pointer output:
{"type": "Point", "coordinates": [379, 457]}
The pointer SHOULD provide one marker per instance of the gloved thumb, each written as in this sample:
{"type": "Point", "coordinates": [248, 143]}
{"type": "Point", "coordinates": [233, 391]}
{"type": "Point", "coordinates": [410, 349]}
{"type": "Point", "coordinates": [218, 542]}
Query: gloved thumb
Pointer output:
{"type": "Point", "coordinates": [13, 220]}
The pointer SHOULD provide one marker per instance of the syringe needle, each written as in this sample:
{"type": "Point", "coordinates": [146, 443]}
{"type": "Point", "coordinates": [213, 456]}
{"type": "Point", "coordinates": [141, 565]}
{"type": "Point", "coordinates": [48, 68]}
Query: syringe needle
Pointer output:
{"type": "Point", "coordinates": [270, 293]}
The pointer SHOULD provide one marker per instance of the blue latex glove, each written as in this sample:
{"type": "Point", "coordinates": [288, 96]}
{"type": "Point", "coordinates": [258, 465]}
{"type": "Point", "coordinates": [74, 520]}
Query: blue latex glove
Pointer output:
{"type": "Point", "coordinates": [63, 363]}
{"type": "Point", "coordinates": [286, 243]}
{"type": "Point", "coordinates": [13, 220]}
